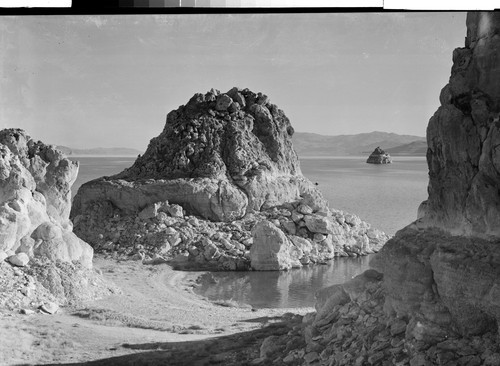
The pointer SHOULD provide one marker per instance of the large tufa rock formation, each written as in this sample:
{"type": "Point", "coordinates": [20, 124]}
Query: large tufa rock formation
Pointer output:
{"type": "Point", "coordinates": [219, 156]}
{"type": "Point", "coordinates": [40, 258]}
{"type": "Point", "coordinates": [463, 156]}
{"type": "Point", "coordinates": [35, 200]}
{"type": "Point", "coordinates": [445, 268]}
{"type": "Point", "coordinates": [436, 300]}
{"type": "Point", "coordinates": [226, 158]}
{"type": "Point", "coordinates": [379, 156]}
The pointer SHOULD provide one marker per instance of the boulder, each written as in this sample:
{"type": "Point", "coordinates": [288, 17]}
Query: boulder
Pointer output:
{"type": "Point", "coordinates": [271, 249]}
{"type": "Point", "coordinates": [19, 259]}
{"type": "Point", "coordinates": [379, 156]}
{"type": "Point", "coordinates": [319, 224]}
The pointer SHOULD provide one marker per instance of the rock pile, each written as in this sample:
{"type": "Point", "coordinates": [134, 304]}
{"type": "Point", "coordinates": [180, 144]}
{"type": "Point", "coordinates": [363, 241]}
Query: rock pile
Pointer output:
{"type": "Point", "coordinates": [163, 232]}
{"type": "Point", "coordinates": [352, 327]}
{"type": "Point", "coordinates": [223, 162]}
{"type": "Point", "coordinates": [38, 250]}
{"type": "Point", "coordinates": [379, 156]}
{"type": "Point", "coordinates": [435, 297]}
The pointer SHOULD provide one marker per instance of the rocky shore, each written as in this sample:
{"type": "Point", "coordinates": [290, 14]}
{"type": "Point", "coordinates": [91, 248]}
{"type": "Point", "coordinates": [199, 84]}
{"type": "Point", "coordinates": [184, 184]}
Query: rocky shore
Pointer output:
{"type": "Point", "coordinates": [220, 188]}
{"type": "Point", "coordinates": [431, 298]}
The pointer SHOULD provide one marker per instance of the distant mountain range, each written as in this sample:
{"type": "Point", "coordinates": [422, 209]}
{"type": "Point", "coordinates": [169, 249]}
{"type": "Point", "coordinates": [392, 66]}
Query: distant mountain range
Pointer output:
{"type": "Point", "coordinates": [312, 144]}
{"type": "Point", "coordinates": [414, 148]}
{"type": "Point", "coordinates": [101, 151]}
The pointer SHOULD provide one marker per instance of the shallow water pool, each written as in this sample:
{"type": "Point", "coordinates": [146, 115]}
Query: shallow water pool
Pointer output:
{"type": "Point", "coordinates": [273, 289]}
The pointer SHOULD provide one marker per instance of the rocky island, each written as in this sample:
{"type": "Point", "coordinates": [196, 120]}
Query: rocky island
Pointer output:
{"type": "Point", "coordinates": [219, 188]}
{"type": "Point", "coordinates": [379, 156]}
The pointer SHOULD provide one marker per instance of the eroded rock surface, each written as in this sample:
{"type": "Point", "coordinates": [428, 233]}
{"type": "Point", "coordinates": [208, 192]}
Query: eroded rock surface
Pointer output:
{"type": "Point", "coordinates": [435, 299]}
{"type": "Point", "coordinates": [463, 137]}
{"type": "Point", "coordinates": [219, 156]}
{"type": "Point", "coordinates": [226, 161]}
{"type": "Point", "coordinates": [35, 200]}
{"type": "Point", "coordinates": [41, 257]}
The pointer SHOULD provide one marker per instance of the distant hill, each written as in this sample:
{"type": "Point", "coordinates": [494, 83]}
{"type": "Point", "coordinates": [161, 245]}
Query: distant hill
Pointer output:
{"type": "Point", "coordinates": [101, 151]}
{"type": "Point", "coordinates": [415, 148]}
{"type": "Point", "coordinates": [312, 144]}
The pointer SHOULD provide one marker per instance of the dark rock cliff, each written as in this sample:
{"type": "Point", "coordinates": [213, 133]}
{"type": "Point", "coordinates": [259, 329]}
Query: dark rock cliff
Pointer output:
{"type": "Point", "coordinates": [433, 295]}
{"type": "Point", "coordinates": [445, 268]}
{"type": "Point", "coordinates": [463, 137]}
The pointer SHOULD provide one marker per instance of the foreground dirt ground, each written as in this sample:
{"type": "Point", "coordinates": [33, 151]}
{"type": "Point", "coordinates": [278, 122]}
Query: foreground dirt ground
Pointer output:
{"type": "Point", "coordinates": [155, 319]}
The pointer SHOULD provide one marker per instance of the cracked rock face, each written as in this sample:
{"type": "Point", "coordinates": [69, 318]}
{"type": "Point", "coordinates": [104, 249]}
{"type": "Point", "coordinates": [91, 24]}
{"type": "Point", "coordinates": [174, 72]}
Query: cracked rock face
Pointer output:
{"type": "Point", "coordinates": [443, 269]}
{"type": "Point", "coordinates": [464, 137]}
{"type": "Point", "coordinates": [219, 156]}
{"type": "Point", "coordinates": [432, 297]}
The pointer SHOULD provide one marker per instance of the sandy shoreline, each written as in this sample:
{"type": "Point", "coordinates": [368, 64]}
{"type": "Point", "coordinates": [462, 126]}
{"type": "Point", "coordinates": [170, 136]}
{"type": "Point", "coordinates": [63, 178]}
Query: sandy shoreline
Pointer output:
{"type": "Point", "coordinates": [156, 305]}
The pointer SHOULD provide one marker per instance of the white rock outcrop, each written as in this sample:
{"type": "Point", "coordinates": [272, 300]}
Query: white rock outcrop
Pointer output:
{"type": "Point", "coordinates": [35, 200]}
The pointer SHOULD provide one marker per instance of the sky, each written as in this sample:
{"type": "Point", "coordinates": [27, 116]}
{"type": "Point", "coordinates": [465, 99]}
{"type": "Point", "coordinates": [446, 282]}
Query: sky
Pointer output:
{"type": "Point", "coordinates": [109, 81]}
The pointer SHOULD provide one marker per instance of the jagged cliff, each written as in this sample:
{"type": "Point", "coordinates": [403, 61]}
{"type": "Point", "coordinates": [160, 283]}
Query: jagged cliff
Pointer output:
{"type": "Point", "coordinates": [223, 162]}
{"type": "Point", "coordinates": [463, 157]}
{"type": "Point", "coordinates": [433, 295]}
{"type": "Point", "coordinates": [445, 268]}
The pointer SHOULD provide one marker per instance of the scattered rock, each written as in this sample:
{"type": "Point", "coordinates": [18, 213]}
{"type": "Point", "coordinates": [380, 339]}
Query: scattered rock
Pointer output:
{"type": "Point", "coordinates": [19, 259]}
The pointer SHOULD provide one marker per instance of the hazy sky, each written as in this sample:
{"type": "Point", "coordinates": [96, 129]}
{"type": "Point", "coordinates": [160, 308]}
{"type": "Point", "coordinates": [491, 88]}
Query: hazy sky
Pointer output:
{"type": "Point", "coordinates": [89, 81]}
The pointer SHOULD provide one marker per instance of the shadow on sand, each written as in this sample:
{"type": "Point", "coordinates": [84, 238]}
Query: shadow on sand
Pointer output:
{"type": "Point", "coordinates": [234, 349]}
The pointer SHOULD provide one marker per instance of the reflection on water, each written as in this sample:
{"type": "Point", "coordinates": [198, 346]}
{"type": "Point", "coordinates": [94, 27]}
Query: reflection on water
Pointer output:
{"type": "Point", "coordinates": [273, 289]}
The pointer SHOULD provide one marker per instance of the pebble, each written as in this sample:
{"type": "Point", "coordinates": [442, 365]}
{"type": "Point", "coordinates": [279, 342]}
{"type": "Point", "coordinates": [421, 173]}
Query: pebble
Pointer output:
{"type": "Point", "coordinates": [27, 311]}
{"type": "Point", "coordinates": [49, 307]}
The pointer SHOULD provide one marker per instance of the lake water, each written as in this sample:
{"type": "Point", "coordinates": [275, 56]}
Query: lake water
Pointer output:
{"type": "Point", "coordinates": [386, 196]}
{"type": "Point", "coordinates": [96, 167]}
{"type": "Point", "coordinates": [273, 289]}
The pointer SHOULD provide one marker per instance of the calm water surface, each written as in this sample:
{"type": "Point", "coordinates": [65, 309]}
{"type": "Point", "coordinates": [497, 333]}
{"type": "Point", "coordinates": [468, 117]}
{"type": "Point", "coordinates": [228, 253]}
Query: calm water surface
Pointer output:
{"type": "Point", "coordinates": [273, 289]}
{"type": "Point", "coordinates": [96, 167]}
{"type": "Point", "coordinates": [386, 196]}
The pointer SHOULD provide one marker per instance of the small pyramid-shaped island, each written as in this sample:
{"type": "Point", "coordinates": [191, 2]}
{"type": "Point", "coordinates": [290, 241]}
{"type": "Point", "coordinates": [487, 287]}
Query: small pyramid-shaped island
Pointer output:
{"type": "Point", "coordinates": [379, 156]}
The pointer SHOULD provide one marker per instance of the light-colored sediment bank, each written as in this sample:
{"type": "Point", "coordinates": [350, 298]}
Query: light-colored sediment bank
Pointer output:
{"type": "Point", "coordinates": [156, 305]}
